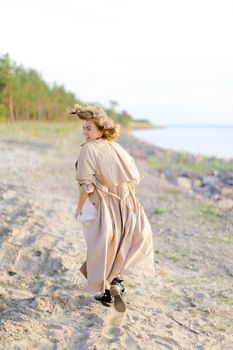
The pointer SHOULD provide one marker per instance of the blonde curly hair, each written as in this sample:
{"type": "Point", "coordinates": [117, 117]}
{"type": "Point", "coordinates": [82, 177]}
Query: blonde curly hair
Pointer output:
{"type": "Point", "coordinates": [103, 122]}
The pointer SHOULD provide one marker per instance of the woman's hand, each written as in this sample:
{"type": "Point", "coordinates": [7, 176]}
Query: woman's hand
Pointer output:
{"type": "Point", "coordinates": [82, 197]}
{"type": "Point", "coordinates": [77, 212]}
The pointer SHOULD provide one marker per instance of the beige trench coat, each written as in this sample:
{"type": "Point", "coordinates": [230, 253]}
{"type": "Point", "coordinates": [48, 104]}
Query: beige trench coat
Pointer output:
{"type": "Point", "coordinates": [119, 240]}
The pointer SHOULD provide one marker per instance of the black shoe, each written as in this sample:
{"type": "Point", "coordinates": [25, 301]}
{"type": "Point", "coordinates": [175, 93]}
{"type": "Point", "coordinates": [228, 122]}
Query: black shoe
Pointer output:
{"type": "Point", "coordinates": [116, 291]}
{"type": "Point", "coordinates": [105, 298]}
{"type": "Point", "coordinates": [119, 280]}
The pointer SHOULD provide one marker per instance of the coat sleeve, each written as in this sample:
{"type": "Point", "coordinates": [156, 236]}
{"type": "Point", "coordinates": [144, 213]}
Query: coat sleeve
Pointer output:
{"type": "Point", "coordinates": [86, 170]}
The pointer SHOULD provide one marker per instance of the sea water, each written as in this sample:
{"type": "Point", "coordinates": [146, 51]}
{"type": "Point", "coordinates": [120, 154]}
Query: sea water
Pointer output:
{"type": "Point", "coordinates": [211, 141]}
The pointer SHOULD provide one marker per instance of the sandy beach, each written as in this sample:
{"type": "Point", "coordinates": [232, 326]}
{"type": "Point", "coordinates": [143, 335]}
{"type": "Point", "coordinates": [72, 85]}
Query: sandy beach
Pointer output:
{"type": "Point", "coordinates": [43, 303]}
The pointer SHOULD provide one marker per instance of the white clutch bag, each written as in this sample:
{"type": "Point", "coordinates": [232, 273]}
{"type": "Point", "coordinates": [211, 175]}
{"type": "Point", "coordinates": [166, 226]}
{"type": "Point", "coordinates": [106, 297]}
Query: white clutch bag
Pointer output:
{"type": "Point", "coordinates": [88, 211]}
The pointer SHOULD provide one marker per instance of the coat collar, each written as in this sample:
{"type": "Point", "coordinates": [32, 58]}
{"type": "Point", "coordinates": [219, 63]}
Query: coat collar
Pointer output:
{"type": "Point", "coordinates": [95, 140]}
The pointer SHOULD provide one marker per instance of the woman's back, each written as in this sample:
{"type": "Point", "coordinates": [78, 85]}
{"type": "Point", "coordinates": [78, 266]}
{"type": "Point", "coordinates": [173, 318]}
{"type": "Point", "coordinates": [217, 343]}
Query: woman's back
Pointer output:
{"type": "Point", "coordinates": [109, 161]}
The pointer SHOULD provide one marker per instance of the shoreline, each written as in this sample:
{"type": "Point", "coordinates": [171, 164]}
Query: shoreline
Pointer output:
{"type": "Point", "coordinates": [159, 149]}
{"type": "Point", "coordinates": [215, 185]}
{"type": "Point", "coordinates": [225, 158]}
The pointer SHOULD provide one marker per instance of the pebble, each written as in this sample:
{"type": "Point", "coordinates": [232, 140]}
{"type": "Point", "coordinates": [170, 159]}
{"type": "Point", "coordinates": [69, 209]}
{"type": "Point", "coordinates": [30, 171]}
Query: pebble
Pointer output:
{"type": "Point", "coordinates": [201, 295]}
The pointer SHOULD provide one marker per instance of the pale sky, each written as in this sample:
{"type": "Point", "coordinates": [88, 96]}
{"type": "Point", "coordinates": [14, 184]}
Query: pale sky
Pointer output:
{"type": "Point", "coordinates": [170, 61]}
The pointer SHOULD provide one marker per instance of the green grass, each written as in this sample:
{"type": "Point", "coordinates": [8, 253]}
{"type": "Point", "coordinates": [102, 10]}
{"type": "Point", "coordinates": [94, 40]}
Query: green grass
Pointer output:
{"type": "Point", "coordinates": [38, 129]}
{"type": "Point", "coordinates": [170, 193]}
{"type": "Point", "coordinates": [227, 240]}
{"type": "Point", "coordinates": [164, 197]}
{"type": "Point", "coordinates": [43, 132]}
{"type": "Point", "coordinates": [204, 209]}
{"type": "Point", "coordinates": [224, 299]}
{"type": "Point", "coordinates": [208, 210]}
{"type": "Point", "coordinates": [214, 240]}
{"type": "Point", "coordinates": [183, 161]}
{"type": "Point", "coordinates": [174, 191]}
{"type": "Point", "coordinates": [173, 258]}
{"type": "Point", "coordinates": [159, 211]}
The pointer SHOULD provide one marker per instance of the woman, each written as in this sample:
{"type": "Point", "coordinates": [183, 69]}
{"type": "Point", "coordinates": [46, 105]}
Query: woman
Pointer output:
{"type": "Point", "coordinates": [117, 232]}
